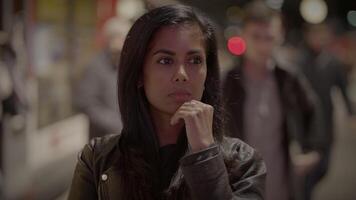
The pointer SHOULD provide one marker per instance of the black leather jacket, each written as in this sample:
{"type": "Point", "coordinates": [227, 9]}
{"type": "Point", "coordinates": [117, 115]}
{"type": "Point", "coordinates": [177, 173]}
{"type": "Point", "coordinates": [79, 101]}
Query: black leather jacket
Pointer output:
{"type": "Point", "coordinates": [300, 108]}
{"type": "Point", "coordinates": [299, 105]}
{"type": "Point", "coordinates": [228, 170]}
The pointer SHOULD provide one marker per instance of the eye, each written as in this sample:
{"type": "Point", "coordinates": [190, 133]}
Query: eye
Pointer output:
{"type": "Point", "coordinates": [196, 60]}
{"type": "Point", "coordinates": [165, 61]}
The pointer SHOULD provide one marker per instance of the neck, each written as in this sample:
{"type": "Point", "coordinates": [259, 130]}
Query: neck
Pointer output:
{"type": "Point", "coordinates": [166, 133]}
{"type": "Point", "coordinates": [255, 70]}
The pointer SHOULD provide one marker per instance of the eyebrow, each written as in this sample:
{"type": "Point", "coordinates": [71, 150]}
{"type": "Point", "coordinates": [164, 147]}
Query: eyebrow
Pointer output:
{"type": "Point", "coordinates": [164, 51]}
{"type": "Point", "coordinates": [169, 52]}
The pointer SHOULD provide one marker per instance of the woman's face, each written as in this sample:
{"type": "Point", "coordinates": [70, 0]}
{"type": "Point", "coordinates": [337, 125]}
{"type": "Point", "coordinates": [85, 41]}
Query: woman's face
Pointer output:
{"type": "Point", "coordinates": [175, 68]}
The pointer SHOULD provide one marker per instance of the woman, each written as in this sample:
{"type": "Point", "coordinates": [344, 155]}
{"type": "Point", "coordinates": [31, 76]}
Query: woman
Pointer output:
{"type": "Point", "coordinates": [171, 145]}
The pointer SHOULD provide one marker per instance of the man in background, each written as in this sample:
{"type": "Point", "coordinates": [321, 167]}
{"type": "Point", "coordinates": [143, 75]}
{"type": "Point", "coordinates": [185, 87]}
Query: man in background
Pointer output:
{"type": "Point", "coordinates": [268, 106]}
{"type": "Point", "coordinates": [97, 93]}
{"type": "Point", "coordinates": [324, 72]}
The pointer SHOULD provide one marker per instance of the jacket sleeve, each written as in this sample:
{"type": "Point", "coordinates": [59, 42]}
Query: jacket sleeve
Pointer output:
{"type": "Point", "coordinates": [209, 177]}
{"type": "Point", "coordinates": [83, 184]}
{"type": "Point", "coordinates": [312, 137]}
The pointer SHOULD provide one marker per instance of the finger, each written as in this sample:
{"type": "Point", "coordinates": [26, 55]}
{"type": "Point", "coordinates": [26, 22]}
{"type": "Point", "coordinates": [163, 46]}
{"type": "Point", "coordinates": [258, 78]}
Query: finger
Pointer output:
{"type": "Point", "coordinates": [203, 112]}
{"type": "Point", "coordinates": [186, 107]}
{"type": "Point", "coordinates": [179, 115]}
{"type": "Point", "coordinates": [192, 108]}
{"type": "Point", "coordinates": [189, 104]}
{"type": "Point", "coordinates": [196, 105]}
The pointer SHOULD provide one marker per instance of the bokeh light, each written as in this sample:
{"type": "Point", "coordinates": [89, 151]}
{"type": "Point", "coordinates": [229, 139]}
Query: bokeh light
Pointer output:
{"type": "Point", "coordinates": [351, 17]}
{"type": "Point", "coordinates": [275, 4]}
{"type": "Point", "coordinates": [130, 8]}
{"type": "Point", "coordinates": [313, 11]}
{"type": "Point", "coordinates": [236, 45]}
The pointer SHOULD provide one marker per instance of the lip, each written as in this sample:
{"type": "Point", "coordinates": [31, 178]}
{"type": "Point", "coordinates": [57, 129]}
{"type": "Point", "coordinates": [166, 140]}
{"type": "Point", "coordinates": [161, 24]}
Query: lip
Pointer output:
{"type": "Point", "coordinates": [181, 95]}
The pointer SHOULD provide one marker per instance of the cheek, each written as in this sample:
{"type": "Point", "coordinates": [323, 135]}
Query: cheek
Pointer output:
{"type": "Point", "coordinates": [155, 84]}
{"type": "Point", "coordinates": [199, 82]}
{"type": "Point", "coordinates": [202, 76]}
{"type": "Point", "coordinates": [149, 73]}
{"type": "Point", "coordinates": [151, 82]}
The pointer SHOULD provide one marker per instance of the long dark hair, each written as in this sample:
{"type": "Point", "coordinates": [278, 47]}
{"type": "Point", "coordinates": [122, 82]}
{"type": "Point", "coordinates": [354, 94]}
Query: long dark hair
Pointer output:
{"type": "Point", "coordinates": [138, 142]}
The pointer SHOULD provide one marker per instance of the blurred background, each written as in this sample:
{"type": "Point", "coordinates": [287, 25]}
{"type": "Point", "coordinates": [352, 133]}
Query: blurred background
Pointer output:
{"type": "Point", "coordinates": [47, 47]}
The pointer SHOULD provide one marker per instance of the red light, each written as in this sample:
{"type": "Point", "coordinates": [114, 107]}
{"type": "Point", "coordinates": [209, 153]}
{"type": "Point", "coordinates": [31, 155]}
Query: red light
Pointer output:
{"type": "Point", "coordinates": [236, 45]}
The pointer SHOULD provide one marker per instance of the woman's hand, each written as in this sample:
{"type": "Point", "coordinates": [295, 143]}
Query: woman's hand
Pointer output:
{"type": "Point", "coordinates": [198, 119]}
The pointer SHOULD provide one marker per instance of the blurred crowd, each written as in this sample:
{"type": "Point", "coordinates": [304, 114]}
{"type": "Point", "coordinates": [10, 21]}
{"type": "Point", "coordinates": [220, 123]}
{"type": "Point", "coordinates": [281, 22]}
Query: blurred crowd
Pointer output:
{"type": "Point", "coordinates": [278, 84]}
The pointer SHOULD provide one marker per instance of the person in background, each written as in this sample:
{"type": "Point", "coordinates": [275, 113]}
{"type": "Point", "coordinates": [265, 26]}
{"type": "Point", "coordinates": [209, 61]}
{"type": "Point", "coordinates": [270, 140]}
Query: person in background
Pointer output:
{"type": "Point", "coordinates": [10, 103]}
{"type": "Point", "coordinates": [13, 101]}
{"type": "Point", "coordinates": [324, 72]}
{"type": "Point", "coordinates": [96, 92]}
{"type": "Point", "coordinates": [7, 56]}
{"type": "Point", "coordinates": [172, 144]}
{"type": "Point", "coordinates": [269, 107]}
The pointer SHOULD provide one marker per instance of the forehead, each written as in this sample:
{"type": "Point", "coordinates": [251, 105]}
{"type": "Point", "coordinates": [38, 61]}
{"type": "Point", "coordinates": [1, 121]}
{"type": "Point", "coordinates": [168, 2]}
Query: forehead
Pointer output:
{"type": "Point", "coordinates": [272, 29]}
{"type": "Point", "coordinates": [180, 36]}
{"type": "Point", "coordinates": [258, 25]}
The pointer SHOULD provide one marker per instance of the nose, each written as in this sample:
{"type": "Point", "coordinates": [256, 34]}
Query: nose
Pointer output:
{"type": "Point", "coordinates": [181, 74]}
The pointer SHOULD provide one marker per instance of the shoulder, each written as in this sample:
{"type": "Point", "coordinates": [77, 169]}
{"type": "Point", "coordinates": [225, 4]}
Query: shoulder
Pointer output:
{"type": "Point", "coordinates": [98, 151]}
{"type": "Point", "coordinates": [102, 146]}
{"type": "Point", "coordinates": [92, 161]}
{"type": "Point", "coordinates": [231, 79]}
{"type": "Point", "coordinates": [291, 78]}
{"type": "Point", "coordinates": [101, 143]}
{"type": "Point", "coordinates": [295, 83]}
